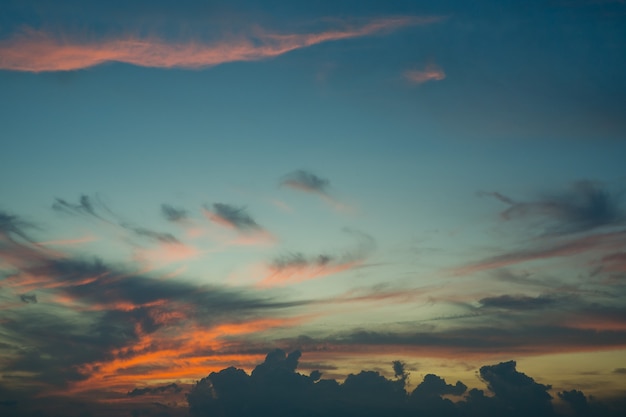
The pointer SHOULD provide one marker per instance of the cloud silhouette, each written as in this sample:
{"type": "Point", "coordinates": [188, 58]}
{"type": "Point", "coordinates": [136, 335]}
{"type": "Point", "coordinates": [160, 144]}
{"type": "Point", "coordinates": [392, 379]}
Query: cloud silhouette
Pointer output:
{"type": "Point", "coordinates": [276, 388]}
{"type": "Point", "coordinates": [173, 387]}
{"type": "Point", "coordinates": [29, 298]}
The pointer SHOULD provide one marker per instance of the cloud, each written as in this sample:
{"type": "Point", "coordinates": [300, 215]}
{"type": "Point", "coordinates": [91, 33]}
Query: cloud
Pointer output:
{"type": "Point", "coordinates": [275, 387]}
{"type": "Point", "coordinates": [311, 183]}
{"type": "Point", "coordinates": [296, 267]}
{"type": "Point", "coordinates": [173, 214]}
{"type": "Point", "coordinates": [94, 207]}
{"type": "Point", "coordinates": [516, 390]}
{"type": "Point", "coordinates": [585, 206]}
{"type": "Point", "coordinates": [517, 302]}
{"type": "Point", "coordinates": [575, 246]}
{"type": "Point", "coordinates": [577, 400]}
{"type": "Point", "coordinates": [87, 206]}
{"type": "Point", "coordinates": [151, 234]}
{"type": "Point", "coordinates": [38, 51]}
{"type": "Point", "coordinates": [429, 73]}
{"type": "Point", "coordinates": [173, 387]}
{"type": "Point", "coordinates": [97, 320]}
{"type": "Point", "coordinates": [306, 181]}
{"type": "Point", "coordinates": [29, 298]}
{"type": "Point", "coordinates": [12, 226]}
{"type": "Point", "coordinates": [233, 217]}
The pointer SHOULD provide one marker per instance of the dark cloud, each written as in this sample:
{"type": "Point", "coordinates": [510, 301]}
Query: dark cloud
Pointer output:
{"type": "Point", "coordinates": [172, 213]}
{"type": "Point", "coordinates": [28, 298]}
{"type": "Point", "coordinates": [151, 234]}
{"type": "Point", "coordinates": [173, 387]}
{"type": "Point", "coordinates": [94, 207]}
{"type": "Point", "coordinates": [577, 400]}
{"type": "Point", "coordinates": [86, 206]}
{"type": "Point", "coordinates": [305, 181]}
{"type": "Point", "coordinates": [365, 246]}
{"type": "Point", "coordinates": [585, 206]}
{"type": "Point", "coordinates": [105, 312]}
{"type": "Point", "coordinates": [518, 302]}
{"type": "Point", "coordinates": [516, 390]}
{"type": "Point", "coordinates": [433, 385]}
{"type": "Point", "coordinates": [276, 388]}
{"type": "Point", "coordinates": [12, 226]}
{"type": "Point", "coordinates": [236, 217]}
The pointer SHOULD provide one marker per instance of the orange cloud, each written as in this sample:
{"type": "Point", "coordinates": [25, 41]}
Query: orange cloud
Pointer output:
{"type": "Point", "coordinates": [189, 352]}
{"type": "Point", "coordinates": [34, 51]}
{"type": "Point", "coordinates": [430, 73]}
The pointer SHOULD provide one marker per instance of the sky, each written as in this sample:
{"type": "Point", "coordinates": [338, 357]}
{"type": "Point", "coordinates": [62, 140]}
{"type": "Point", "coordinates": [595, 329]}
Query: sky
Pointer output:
{"type": "Point", "coordinates": [333, 197]}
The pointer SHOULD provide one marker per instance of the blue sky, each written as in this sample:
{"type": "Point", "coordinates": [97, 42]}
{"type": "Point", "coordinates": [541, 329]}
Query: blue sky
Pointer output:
{"type": "Point", "coordinates": [437, 182]}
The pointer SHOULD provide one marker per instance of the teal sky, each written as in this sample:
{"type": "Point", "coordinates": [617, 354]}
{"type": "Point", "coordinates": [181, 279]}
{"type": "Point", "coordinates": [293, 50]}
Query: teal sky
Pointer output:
{"type": "Point", "coordinates": [364, 181]}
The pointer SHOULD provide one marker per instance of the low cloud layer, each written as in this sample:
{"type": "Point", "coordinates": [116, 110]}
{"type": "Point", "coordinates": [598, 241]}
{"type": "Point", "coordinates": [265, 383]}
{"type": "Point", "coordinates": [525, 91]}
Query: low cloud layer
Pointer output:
{"type": "Point", "coordinates": [276, 388]}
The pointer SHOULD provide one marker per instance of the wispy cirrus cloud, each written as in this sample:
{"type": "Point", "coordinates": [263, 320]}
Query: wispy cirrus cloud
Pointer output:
{"type": "Point", "coordinates": [308, 182]}
{"type": "Point", "coordinates": [603, 241]}
{"type": "Point", "coordinates": [296, 267]}
{"type": "Point", "coordinates": [38, 51]}
{"type": "Point", "coordinates": [584, 206]}
{"type": "Point", "coordinates": [232, 216]}
{"type": "Point", "coordinates": [430, 73]}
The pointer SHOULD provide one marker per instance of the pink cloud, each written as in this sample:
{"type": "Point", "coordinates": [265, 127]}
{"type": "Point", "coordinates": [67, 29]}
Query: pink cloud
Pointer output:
{"type": "Point", "coordinates": [430, 73]}
{"type": "Point", "coordinates": [36, 51]}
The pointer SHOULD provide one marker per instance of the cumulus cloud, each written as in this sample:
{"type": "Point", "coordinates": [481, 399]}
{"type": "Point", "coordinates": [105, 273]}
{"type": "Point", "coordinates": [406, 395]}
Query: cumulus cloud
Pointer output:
{"type": "Point", "coordinates": [275, 387]}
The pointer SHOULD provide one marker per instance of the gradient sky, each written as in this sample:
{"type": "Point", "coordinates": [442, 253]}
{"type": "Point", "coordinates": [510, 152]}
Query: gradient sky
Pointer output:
{"type": "Point", "coordinates": [187, 187]}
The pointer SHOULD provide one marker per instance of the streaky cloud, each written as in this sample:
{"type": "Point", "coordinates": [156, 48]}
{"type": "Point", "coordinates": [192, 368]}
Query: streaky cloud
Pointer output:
{"type": "Point", "coordinates": [586, 205]}
{"type": "Point", "coordinates": [430, 73]}
{"type": "Point", "coordinates": [173, 387]}
{"type": "Point", "coordinates": [306, 181]}
{"type": "Point", "coordinates": [38, 51]}
{"type": "Point", "coordinates": [296, 267]}
{"type": "Point", "coordinates": [575, 246]}
{"type": "Point", "coordinates": [232, 216]}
